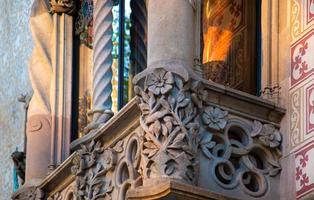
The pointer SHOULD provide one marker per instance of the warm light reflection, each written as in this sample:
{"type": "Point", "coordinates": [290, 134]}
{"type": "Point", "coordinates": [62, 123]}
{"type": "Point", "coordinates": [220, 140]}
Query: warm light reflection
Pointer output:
{"type": "Point", "coordinates": [216, 34]}
{"type": "Point", "coordinates": [216, 44]}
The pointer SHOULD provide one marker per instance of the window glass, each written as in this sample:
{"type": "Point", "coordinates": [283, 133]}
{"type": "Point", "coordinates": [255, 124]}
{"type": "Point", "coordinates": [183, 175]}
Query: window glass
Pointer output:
{"type": "Point", "coordinates": [229, 43]}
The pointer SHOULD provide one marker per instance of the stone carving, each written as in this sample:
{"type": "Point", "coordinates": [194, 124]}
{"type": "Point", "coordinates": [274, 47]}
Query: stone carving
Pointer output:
{"type": "Point", "coordinates": [19, 164]}
{"type": "Point", "coordinates": [32, 193]}
{"type": "Point", "coordinates": [40, 73]}
{"type": "Point", "coordinates": [107, 173]}
{"type": "Point", "coordinates": [62, 6]}
{"type": "Point", "coordinates": [237, 160]}
{"type": "Point", "coordinates": [40, 66]}
{"type": "Point", "coordinates": [179, 123]}
{"type": "Point", "coordinates": [267, 134]}
{"type": "Point", "coordinates": [170, 121]}
{"type": "Point", "coordinates": [127, 171]}
{"type": "Point", "coordinates": [90, 172]}
{"type": "Point", "coordinates": [102, 72]}
{"type": "Point", "coordinates": [215, 118]}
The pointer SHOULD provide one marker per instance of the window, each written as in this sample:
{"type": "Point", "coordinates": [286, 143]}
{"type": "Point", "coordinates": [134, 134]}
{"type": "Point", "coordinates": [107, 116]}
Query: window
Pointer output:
{"type": "Point", "coordinates": [129, 54]}
{"type": "Point", "coordinates": [230, 43]}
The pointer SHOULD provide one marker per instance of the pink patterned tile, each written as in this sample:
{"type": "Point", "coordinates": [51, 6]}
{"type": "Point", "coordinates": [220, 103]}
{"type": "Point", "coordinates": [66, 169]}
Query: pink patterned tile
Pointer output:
{"type": "Point", "coordinates": [302, 59]}
{"type": "Point", "coordinates": [310, 10]}
{"type": "Point", "coordinates": [304, 171]}
{"type": "Point", "coordinates": [310, 109]}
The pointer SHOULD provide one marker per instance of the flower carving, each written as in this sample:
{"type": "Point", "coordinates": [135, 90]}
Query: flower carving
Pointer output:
{"type": "Point", "coordinates": [215, 118]}
{"type": "Point", "coordinates": [267, 134]}
{"type": "Point", "coordinates": [160, 82]}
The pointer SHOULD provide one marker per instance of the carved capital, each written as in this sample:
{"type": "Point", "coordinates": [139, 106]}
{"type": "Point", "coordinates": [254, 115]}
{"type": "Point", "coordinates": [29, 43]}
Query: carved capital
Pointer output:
{"type": "Point", "coordinates": [169, 102]}
{"type": "Point", "coordinates": [62, 6]}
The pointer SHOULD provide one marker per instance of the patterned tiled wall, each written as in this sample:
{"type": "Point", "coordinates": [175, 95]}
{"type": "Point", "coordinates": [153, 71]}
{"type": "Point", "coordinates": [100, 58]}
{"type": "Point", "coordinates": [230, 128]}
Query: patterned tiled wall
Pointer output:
{"type": "Point", "coordinates": [301, 94]}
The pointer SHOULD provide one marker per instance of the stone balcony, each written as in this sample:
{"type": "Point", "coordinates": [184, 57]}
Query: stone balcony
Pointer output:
{"type": "Point", "coordinates": [181, 138]}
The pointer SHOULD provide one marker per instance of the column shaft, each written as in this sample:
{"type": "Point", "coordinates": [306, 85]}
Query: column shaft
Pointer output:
{"type": "Point", "coordinates": [170, 31]}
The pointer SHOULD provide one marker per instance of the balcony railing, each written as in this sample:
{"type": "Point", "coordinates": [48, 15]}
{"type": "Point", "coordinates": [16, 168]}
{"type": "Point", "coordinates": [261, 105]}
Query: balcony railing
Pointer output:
{"type": "Point", "coordinates": [180, 137]}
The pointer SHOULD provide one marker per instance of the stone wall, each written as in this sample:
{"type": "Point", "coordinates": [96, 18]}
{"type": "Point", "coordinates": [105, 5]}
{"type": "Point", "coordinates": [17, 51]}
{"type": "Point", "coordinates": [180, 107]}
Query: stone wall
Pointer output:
{"type": "Point", "coordinates": [15, 49]}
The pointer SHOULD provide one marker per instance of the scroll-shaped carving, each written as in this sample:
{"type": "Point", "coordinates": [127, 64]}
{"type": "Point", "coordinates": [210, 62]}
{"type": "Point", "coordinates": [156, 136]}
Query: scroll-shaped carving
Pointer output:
{"type": "Point", "coordinates": [62, 6]}
{"type": "Point", "coordinates": [170, 120]}
{"type": "Point", "coordinates": [102, 72]}
{"type": "Point", "coordinates": [127, 171]}
{"type": "Point", "coordinates": [241, 155]}
{"type": "Point", "coordinates": [91, 165]}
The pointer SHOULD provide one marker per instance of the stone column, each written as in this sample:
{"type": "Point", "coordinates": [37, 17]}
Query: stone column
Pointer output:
{"type": "Point", "coordinates": [170, 31]}
{"type": "Point", "coordinates": [61, 83]}
{"type": "Point", "coordinates": [168, 102]}
{"type": "Point", "coordinates": [102, 58]}
{"type": "Point", "coordinates": [39, 113]}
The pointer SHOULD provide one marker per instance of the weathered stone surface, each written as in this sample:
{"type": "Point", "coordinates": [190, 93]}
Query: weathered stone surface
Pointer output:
{"type": "Point", "coordinates": [15, 48]}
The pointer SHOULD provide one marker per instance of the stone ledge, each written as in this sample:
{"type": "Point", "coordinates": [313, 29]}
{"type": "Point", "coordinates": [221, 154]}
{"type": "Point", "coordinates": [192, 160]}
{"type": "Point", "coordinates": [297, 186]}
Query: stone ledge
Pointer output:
{"type": "Point", "coordinates": [170, 190]}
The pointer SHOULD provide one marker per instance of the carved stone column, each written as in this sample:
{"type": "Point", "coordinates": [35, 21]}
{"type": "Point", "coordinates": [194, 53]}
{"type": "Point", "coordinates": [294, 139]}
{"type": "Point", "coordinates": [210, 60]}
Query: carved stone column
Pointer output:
{"type": "Point", "coordinates": [165, 94]}
{"type": "Point", "coordinates": [102, 72]}
{"type": "Point", "coordinates": [39, 113]}
{"type": "Point", "coordinates": [170, 31]}
{"type": "Point", "coordinates": [61, 84]}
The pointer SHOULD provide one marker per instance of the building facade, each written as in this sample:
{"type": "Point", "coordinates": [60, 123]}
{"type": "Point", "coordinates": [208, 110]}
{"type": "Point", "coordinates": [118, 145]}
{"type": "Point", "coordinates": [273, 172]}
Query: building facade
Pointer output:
{"type": "Point", "coordinates": [15, 48]}
{"type": "Point", "coordinates": [170, 99]}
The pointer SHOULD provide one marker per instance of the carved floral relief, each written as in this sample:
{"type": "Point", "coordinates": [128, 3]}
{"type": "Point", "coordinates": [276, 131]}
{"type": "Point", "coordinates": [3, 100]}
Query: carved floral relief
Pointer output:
{"type": "Point", "coordinates": [169, 118]}
{"type": "Point", "coordinates": [179, 123]}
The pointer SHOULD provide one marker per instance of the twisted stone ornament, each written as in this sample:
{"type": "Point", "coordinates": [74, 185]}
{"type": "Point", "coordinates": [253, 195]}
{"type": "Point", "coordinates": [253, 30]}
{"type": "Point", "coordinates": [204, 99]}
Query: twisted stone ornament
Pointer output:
{"type": "Point", "coordinates": [138, 36]}
{"type": "Point", "coordinates": [102, 72]}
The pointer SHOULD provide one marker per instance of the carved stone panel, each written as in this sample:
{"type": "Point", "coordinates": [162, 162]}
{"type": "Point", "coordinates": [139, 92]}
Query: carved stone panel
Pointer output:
{"type": "Point", "coordinates": [107, 173]}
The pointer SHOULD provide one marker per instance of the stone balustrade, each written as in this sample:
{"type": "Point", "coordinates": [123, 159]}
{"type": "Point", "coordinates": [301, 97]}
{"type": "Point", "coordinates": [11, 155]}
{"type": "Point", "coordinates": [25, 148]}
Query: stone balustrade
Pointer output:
{"type": "Point", "coordinates": [181, 137]}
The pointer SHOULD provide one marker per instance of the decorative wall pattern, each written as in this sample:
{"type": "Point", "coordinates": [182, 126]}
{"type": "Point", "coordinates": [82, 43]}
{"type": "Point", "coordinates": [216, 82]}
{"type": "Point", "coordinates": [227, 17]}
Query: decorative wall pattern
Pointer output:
{"type": "Point", "coordinates": [304, 173]}
{"type": "Point", "coordinates": [301, 17]}
{"type": "Point", "coordinates": [310, 10]}
{"type": "Point", "coordinates": [302, 60]}
{"type": "Point", "coordinates": [302, 93]}
{"type": "Point", "coordinates": [310, 109]}
{"type": "Point", "coordinates": [295, 123]}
